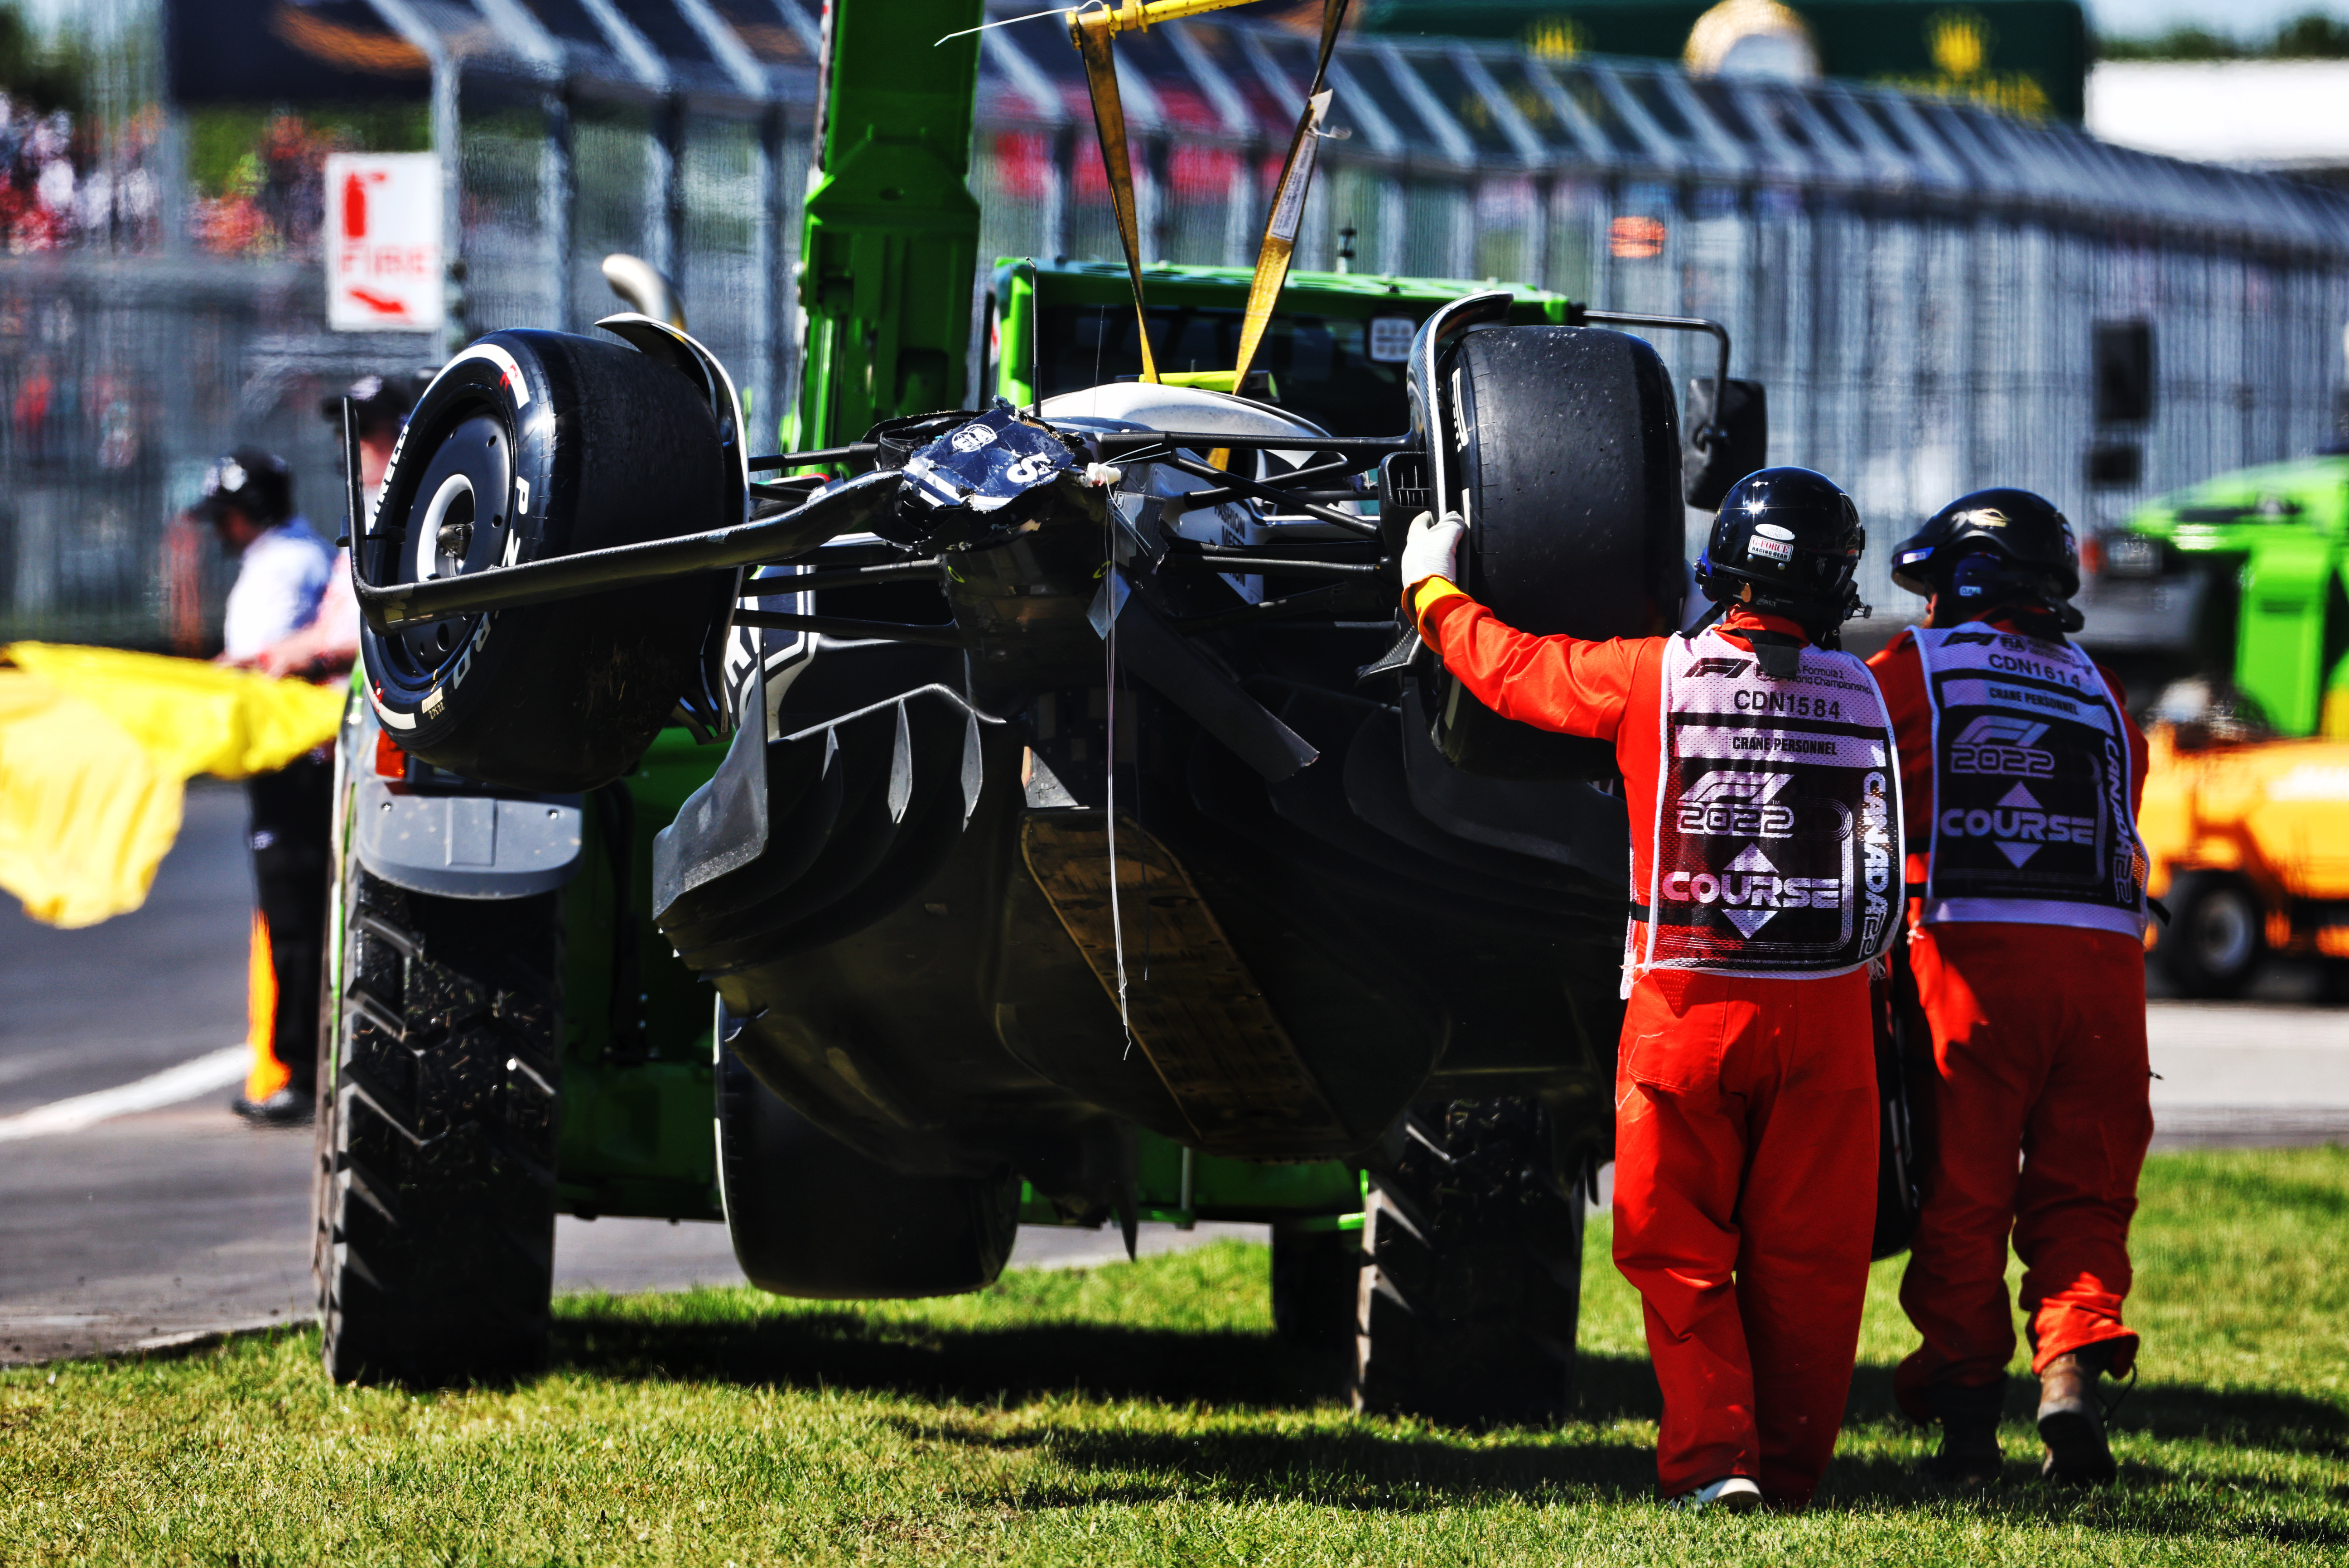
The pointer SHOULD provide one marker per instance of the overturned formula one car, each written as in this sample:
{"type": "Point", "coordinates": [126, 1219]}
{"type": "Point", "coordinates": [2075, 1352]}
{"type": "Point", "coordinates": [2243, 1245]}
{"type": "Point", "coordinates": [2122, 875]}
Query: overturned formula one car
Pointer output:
{"type": "Point", "coordinates": [1083, 795]}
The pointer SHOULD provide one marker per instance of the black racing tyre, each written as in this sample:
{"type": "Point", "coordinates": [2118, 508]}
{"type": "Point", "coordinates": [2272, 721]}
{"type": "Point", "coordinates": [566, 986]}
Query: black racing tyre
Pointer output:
{"type": "Point", "coordinates": [1472, 1274]}
{"type": "Point", "coordinates": [1317, 1282]}
{"type": "Point", "coordinates": [435, 1247]}
{"type": "Point", "coordinates": [1569, 466]}
{"type": "Point", "coordinates": [2216, 937]}
{"type": "Point", "coordinates": [530, 445]}
{"type": "Point", "coordinates": [811, 1217]}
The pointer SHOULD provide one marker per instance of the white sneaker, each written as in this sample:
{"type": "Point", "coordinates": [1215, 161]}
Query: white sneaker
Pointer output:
{"type": "Point", "coordinates": [1730, 1494]}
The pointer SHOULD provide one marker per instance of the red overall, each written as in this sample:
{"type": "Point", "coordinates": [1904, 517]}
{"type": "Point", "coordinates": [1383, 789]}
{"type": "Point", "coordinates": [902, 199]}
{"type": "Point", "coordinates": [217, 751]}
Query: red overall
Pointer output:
{"type": "Point", "coordinates": [1746, 1117]}
{"type": "Point", "coordinates": [2039, 1050]}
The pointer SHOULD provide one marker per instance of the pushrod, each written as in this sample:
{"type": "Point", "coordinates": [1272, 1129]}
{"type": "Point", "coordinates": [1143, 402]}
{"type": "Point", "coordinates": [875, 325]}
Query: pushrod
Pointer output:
{"type": "Point", "coordinates": [854, 451]}
{"type": "Point", "coordinates": [835, 626]}
{"type": "Point", "coordinates": [1117, 443]}
{"type": "Point", "coordinates": [1361, 525]}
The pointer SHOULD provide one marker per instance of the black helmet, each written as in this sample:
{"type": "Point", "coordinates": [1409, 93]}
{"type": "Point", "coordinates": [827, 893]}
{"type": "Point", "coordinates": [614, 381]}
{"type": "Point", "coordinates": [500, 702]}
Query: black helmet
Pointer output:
{"type": "Point", "coordinates": [382, 402]}
{"type": "Point", "coordinates": [2025, 529]}
{"type": "Point", "coordinates": [254, 482]}
{"type": "Point", "coordinates": [1794, 538]}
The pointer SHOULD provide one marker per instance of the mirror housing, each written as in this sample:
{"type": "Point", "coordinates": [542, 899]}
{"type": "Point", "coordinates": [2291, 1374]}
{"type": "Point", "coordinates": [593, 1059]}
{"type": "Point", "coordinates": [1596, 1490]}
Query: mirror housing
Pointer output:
{"type": "Point", "coordinates": [1722, 444]}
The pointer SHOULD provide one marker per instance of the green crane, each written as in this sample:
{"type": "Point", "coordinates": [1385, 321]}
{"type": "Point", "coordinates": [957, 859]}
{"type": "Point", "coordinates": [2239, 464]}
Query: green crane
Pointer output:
{"type": "Point", "coordinates": [891, 242]}
{"type": "Point", "coordinates": [2275, 541]}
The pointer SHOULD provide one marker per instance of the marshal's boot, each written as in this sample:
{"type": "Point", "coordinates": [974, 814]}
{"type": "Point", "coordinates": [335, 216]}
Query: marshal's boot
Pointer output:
{"type": "Point", "coordinates": [1968, 1414]}
{"type": "Point", "coordinates": [2071, 1421]}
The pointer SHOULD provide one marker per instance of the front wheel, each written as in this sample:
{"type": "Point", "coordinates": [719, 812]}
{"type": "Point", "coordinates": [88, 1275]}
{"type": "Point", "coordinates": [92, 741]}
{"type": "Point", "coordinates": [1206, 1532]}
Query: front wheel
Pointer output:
{"type": "Point", "coordinates": [528, 446]}
{"type": "Point", "coordinates": [2215, 940]}
{"type": "Point", "coordinates": [435, 1248]}
{"type": "Point", "coordinates": [1578, 533]}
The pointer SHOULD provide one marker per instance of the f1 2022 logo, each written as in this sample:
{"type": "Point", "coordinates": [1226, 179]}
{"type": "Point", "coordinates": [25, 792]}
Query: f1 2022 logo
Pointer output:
{"type": "Point", "coordinates": [1995, 743]}
{"type": "Point", "coordinates": [1740, 804]}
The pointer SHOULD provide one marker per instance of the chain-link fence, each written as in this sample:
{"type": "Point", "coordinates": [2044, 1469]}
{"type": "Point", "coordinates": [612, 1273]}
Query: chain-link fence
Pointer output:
{"type": "Point", "coordinates": [1917, 282]}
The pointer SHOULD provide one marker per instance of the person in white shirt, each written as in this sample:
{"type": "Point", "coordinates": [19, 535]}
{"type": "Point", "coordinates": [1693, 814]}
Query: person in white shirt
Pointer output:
{"type": "Point", "coordinates": [285, 568]}
{"type": "Point", "coordinates": [329, 644]}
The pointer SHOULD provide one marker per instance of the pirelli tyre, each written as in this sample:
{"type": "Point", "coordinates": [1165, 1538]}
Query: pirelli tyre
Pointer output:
{"type": "Point", "coordinates": [435, 1226]}
{"type": "Point", "coordinates": [1569, 478]}
{"type": "Point", "coordinates": [811, 1217]}
{"type": "Point", "coordinates": [1472, 1270]}
{"type": "Point", "coordinates": [530, 445]}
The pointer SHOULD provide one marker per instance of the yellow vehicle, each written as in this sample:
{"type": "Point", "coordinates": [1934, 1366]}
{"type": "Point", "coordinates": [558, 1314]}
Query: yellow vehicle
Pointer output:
{"type": "Point", "coordinates": [2249, 844]}
{"type": "Point", "coordinates": [2246, 798]}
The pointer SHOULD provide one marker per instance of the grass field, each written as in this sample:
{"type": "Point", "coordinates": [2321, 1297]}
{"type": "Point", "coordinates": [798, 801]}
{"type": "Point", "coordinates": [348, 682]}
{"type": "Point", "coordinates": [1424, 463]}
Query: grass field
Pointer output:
{"type": "Point", "coordinates": [1143, 1414]}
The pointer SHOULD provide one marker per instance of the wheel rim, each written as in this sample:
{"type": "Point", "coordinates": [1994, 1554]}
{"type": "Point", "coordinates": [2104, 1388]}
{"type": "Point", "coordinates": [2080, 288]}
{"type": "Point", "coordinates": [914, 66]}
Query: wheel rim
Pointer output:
{"type": "Point", "coordinates": [456, 520]}
{"type": "Point", "coordinates": [2226, 932]}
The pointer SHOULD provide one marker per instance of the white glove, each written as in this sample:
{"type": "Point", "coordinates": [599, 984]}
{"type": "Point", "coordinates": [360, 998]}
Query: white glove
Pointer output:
{"type": "Point", "coordinates": [1433, 549]}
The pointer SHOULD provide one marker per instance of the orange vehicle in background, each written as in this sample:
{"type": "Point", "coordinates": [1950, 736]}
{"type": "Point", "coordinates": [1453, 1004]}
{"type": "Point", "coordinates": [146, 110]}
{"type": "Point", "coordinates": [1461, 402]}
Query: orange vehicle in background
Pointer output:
{"type": "Point", "coordinates": [2247, 795]}
{"type": "Point", "coordinates": [2248, 838]}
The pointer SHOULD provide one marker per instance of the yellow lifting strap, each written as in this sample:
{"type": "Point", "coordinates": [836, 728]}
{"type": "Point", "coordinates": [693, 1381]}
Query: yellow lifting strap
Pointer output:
{"type": "Point", "coordinates": [1288, 202]}
{"type": "Point", "coordinates": [1091, 31]}
{"type": "Point", "coordinates": [1288, 213]}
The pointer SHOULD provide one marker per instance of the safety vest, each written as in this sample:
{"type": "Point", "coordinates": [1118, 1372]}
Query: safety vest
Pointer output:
{"type": "Point", "coordinates": [1774, 851]}
{"type": "Point", "coordinates": [2032, 821]}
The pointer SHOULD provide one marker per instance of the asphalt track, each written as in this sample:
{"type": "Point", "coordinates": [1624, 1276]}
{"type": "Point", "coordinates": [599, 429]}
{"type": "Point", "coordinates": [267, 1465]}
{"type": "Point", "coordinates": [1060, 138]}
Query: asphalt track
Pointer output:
{"type": "Point", "coordinates": [136, 1210]}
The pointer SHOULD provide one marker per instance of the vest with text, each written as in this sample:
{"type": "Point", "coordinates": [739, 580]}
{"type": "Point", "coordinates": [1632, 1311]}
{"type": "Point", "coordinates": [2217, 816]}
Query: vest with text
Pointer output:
{"type": "Point", "coordinates": [1775, 835]}
{"type": "Point", "coordinates": [2032, 821]}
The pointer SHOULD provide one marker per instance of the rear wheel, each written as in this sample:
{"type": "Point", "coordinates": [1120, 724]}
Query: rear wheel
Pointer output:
{"type": "Point", "coordinates": [437, 1139]}
{"type": "Point", "coordinates": [1570, 481]}
{"type": "Point", "coordinates": [2215, 940]}
{"type": "Point", "coordinates": [1472, 1271]}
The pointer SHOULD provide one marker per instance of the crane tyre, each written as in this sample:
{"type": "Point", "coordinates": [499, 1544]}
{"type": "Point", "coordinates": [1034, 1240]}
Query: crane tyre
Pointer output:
{"type": "Point", "coordinates": [1472, 1272]}
{"type": "Point", "coordinates": [2215, 939]}
{"type": "Point", "coordinates": [1317, 1281]}
{"type": "Point", "coordinates": [434, 1232]}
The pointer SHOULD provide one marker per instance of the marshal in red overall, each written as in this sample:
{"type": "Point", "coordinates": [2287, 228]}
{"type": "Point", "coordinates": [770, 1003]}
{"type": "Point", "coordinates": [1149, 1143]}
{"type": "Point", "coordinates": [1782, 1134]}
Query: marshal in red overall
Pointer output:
{"type": "Point", "coordinates": [1759, 771]}
{"type": "Point", "coordinates": [2024, 776]}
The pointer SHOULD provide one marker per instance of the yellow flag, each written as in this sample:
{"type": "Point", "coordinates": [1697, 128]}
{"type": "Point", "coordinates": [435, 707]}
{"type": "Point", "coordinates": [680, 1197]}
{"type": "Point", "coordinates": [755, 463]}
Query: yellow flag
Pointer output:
{"type": "Point", "coordinates": [95, 746]}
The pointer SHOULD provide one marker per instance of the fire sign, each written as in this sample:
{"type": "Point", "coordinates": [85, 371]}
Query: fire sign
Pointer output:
{"type": "Point", "coordinates": [383, 241]}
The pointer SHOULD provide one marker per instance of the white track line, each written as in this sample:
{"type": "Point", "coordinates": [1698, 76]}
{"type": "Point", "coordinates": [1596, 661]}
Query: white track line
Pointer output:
{"type": "Point", "coordinates": [213, 1070]}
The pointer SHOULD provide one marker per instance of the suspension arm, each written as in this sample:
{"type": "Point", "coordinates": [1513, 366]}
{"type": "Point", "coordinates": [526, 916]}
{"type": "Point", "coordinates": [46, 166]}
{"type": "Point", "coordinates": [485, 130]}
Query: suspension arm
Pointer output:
{"type": "Point", "coordinates": [842, 509]}
{"type": "Point", "coordinates": [837, 626]}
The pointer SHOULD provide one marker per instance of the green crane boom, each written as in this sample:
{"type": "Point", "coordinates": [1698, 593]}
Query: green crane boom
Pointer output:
{"type": "Point", "coordinates": [890, 250]}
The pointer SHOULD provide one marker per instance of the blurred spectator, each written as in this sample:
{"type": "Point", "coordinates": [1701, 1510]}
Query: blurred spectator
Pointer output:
{"type": "Point", "coordinates": [56, 189]}
{"type": "Point", "coordinates": [249, 501]}
{"type": "Point", "coordinates": [274, 197]}
{"type": "Point", "coordinates": [329, 645]}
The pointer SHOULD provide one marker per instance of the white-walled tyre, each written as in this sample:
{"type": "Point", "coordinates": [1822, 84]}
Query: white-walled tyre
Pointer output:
{"type": "Point", "coordinates": [527, 446]}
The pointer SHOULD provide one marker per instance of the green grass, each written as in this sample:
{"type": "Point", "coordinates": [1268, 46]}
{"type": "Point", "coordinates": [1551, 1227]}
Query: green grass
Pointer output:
{"type": "Point", "coordinates": [1143, 1415]}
